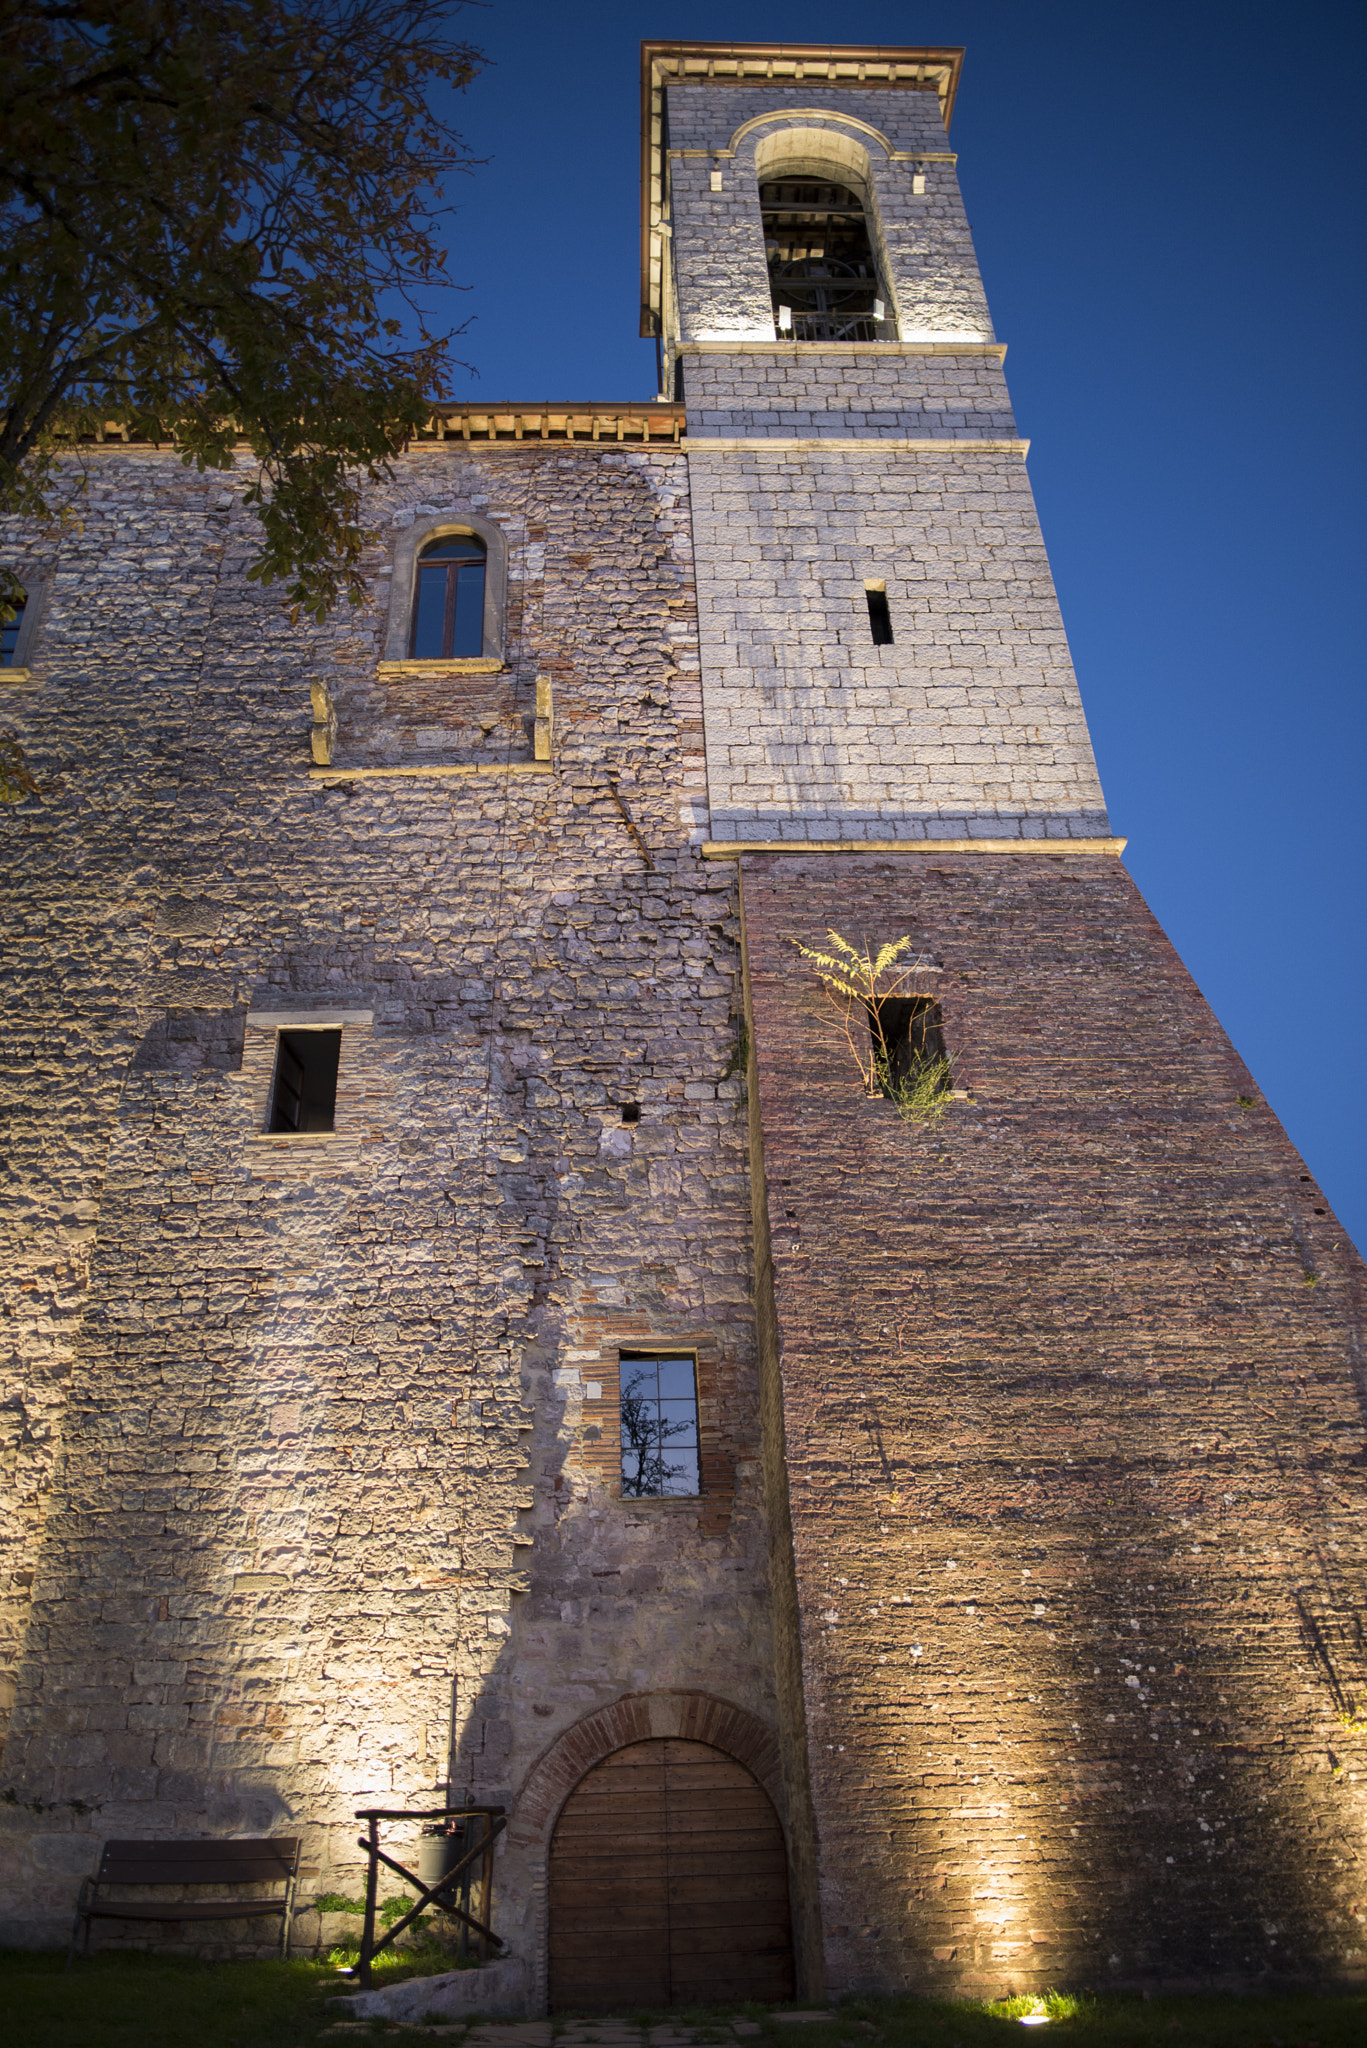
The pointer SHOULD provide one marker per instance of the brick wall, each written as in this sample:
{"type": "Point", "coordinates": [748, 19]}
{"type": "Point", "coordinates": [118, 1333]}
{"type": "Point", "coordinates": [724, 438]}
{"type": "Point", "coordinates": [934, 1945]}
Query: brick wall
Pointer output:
{"type": "Point", "coordinates": [1076, 1438]}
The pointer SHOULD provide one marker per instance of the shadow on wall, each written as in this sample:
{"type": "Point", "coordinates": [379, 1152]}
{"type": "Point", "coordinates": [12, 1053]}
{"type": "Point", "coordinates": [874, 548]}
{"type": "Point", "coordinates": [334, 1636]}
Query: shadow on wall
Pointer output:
{"type": "Point", "coordinates": [254, 1554]}
{"type": "Point", "coordinates": [1027, 1375]}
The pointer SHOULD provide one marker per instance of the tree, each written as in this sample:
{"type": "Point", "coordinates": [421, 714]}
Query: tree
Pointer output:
{"type": "Point", "coordinates": [212, 216]}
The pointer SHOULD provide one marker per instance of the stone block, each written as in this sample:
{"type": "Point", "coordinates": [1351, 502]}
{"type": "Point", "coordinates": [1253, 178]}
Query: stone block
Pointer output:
{"type": "Point", "coordinates": [495, 1991]}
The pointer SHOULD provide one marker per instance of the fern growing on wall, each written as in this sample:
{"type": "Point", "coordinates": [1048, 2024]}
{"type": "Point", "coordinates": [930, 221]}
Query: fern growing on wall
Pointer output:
{"type": "Point", "coordinates": [861, 986]}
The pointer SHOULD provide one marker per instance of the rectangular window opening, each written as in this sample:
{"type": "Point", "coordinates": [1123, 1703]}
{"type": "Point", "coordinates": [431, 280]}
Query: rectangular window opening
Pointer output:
{"type": "Point", "coordinates": [880, 618]}
{"type": "Point", "coordinates": [9, 633]}
{"type": "Point", "coordinates": [304, 1093]}
{"type": "Point", "coordinates": [659, 1425]}
{"type": "Point", "coordinates": [909, 1045]}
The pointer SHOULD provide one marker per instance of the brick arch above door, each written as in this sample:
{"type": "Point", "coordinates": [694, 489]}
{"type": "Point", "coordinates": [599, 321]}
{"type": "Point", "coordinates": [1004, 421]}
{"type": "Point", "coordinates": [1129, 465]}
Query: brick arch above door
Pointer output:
{"type": "Point", "coordinates": [694, 1716]}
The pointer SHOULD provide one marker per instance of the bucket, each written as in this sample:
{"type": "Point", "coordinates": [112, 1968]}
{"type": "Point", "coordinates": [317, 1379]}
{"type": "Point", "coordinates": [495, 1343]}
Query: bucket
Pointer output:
{"type": "Point", "coordinates": [436, 1854]}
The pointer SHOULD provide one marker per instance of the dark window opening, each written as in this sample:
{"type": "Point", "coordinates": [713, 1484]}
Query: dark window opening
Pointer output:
{"type": "Point", "coordinates": [822, 272]}
{"type": "Point", "coordinates": [909, 1043]}
{"type": "Point", "coordinates": [631, 1112]}
{"type": "Point", "coordinates": [659, 1426]}
{"type": "Point", "coordinates": [880, 618]}
{"type": "Point", "coordinates": [304, 1097]}
{"type": "Point", "coordinates": [9, 633]}
{"type": "Point", "coordinates": [448, 604]}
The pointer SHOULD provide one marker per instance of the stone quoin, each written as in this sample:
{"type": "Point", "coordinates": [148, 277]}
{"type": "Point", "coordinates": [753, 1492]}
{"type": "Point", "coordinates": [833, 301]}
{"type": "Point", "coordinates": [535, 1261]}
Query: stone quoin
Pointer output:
{"type": "Point", "coordinates": [466, 1318]}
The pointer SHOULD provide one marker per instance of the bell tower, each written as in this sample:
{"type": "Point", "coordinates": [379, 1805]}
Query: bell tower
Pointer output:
{"type": "Point", "coordinates": [883, 656]}
{"type": "Point", "coordinates": [1063, 1589]}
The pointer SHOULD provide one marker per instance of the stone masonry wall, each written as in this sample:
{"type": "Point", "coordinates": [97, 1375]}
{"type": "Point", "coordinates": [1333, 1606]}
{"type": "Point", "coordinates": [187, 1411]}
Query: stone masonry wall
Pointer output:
{"type": "Point", "coordinates": [336, 1485]}
{"type": "Point", "coordinates": [1076, 1436]}
{"type": "Point", "coordinates": [1039, 1610]}
{"type": "Point", "coordinates": [859, 390]}
{"type": "Point", "coordinates": [969, 724]}
{"type": "Point", "coordinates": [923, 239]}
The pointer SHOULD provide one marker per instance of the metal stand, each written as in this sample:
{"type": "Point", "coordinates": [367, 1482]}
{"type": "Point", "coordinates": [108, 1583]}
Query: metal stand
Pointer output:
{"type": "Point", "coordinates": [443, 1893]}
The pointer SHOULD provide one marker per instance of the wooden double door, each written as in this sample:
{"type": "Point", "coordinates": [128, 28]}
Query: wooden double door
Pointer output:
{"type": "Point", "coordinates": [668, 1885]}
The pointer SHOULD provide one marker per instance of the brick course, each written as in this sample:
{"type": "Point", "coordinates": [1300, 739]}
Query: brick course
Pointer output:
{"type": "Point", "coordinates": [803, 390]}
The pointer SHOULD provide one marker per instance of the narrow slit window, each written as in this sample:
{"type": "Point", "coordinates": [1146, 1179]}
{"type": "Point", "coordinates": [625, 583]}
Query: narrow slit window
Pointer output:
{"type": "Point", "coordinates": [9, 632]}
{"type": "Point", "coordinates": [659, 1426]}
{"type": "Point", "coordinates": [880, 618]}
{"type": "Point", "coordinates": [909, 1045]}
{"type": "Point", "coordinates": [304, 1094]}
{"type": "Point", "coordinates": [448, 604]}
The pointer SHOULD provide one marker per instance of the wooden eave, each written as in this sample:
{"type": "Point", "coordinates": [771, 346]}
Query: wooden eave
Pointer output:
{"type": "Point", "coordinates": [506, 422]}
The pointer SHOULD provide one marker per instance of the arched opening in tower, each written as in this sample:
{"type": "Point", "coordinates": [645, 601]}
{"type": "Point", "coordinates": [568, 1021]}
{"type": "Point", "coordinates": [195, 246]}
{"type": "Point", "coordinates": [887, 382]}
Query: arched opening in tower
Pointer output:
{"type": "Point", "coordinates": [823, 275]}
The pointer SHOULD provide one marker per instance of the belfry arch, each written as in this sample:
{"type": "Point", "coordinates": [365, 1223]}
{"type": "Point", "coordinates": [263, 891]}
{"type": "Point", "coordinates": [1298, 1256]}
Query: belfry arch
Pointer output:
{"type": "Point", "coordinates": [823, 249]}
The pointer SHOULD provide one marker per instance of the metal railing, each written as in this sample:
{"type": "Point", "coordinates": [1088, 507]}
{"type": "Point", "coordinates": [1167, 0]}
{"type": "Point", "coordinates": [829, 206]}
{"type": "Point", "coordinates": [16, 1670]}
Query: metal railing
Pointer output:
{"type": "Point", "coordinates": [447, 1888]}
{"type": "Point", "coordinates": [832, 327]}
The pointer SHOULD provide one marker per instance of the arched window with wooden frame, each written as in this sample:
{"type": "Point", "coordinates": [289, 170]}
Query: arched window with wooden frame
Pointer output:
{"type": "Point", "coordinates": [448, 601]}
{"type": "Point", "coordinates": [449, 590]}
{"type": "Point", "coordinates": [10, 630]}
{"type": "Point", "coordinates": [19, 636]}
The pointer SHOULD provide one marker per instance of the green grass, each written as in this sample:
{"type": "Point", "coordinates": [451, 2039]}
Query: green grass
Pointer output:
{"type": "Point", "coordinates": [1338, 2021]}
{"type": "Point", "coordinates": [148, 2001]}
{"type": "Point", "coordinates": [145, 2001]}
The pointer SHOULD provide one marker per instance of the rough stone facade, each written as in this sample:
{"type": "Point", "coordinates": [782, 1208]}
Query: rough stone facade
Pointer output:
{"type": "Point", "coordinates": [1027, 1562]}
{"type": "Point", "coordinates": [335, 1431]}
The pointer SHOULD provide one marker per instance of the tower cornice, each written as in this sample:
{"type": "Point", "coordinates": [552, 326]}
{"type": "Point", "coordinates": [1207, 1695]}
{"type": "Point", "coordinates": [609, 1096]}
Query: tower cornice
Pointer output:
{"type": "Point", "coordinates": [838, 64]}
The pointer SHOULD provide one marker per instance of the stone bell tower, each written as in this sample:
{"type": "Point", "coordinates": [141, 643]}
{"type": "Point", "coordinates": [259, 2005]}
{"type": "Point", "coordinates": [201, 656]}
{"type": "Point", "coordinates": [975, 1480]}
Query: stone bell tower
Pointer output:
{"type": "Point", "coordinates": [1063, 1433]}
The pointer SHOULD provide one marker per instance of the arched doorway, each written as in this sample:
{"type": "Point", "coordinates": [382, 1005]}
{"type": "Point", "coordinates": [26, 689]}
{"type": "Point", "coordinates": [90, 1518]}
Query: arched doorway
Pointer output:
{"type": "Point", "coordinates": [668, 1884]}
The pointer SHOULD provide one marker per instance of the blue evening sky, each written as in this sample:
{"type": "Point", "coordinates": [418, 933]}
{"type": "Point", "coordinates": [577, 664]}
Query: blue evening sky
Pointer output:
{"type": "Point", "coordinates": [1167, 202]}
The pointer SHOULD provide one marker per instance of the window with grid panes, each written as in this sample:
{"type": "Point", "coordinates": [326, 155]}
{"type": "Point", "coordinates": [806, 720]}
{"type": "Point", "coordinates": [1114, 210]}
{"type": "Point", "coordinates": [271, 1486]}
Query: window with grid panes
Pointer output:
{"type": "Point", "coordinates": [448, 604]}
{"type": "Point", "coordinates": [659, 1425]}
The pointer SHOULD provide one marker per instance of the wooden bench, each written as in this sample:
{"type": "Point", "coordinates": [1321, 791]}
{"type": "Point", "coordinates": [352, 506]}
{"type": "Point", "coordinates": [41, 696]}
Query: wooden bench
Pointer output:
{"type": "Point", "coordinates": [273, 1860]}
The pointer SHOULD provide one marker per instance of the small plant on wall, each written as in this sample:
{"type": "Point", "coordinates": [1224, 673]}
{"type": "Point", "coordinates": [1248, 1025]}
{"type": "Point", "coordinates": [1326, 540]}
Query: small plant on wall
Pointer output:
{"type": "Point", "coordinates": [894, 1035]}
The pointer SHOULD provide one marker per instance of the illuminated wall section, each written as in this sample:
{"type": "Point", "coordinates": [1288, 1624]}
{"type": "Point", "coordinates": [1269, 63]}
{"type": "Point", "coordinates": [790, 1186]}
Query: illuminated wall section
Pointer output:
{"type": "Point", "coordinates": [1064, 1381]}
{"type": "Point", "coordinates": [1075, 1455]}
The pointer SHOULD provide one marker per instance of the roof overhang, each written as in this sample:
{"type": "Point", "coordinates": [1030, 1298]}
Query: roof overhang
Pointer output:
{"type": "Point", "coordinates": [815, 64]}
